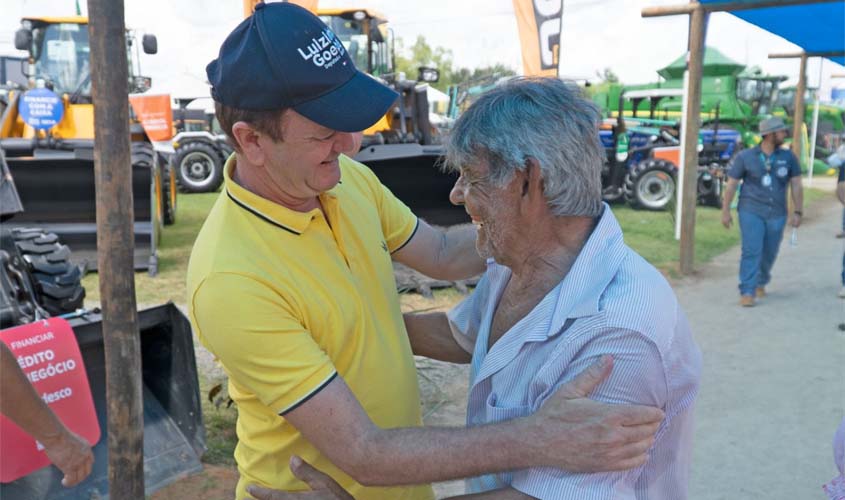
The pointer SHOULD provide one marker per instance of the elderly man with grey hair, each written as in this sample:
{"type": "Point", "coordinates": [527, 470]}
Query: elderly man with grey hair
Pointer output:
{"type": "Point", "coordinates": [561, 291]}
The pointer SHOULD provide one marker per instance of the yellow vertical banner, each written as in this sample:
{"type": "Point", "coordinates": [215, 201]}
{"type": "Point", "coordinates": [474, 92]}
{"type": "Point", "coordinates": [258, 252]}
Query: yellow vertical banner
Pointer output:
{"type": "Point", "coordinates": [539, 24]}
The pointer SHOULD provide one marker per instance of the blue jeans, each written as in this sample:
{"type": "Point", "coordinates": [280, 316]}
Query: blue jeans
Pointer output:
{"type": "Point", "coordinates": [760, 243]}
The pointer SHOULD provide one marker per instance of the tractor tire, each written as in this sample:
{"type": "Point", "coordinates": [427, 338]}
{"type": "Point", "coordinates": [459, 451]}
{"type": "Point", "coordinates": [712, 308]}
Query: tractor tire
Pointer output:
{"type": "Point", "coordinates": [709, 190]}
{"type": "Point", "coordinates": [199, 167]}
{"type": "Point", "coordinates": [650, 184]}
{"type": "Point", "coordinates": [57, 281]}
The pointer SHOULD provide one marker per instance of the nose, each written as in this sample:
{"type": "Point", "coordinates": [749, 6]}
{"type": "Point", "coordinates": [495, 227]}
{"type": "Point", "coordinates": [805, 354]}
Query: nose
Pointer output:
{"type": "Point", "coordinates": [456, 195]}
{"type": "Point", "coordinates": [347, 142]}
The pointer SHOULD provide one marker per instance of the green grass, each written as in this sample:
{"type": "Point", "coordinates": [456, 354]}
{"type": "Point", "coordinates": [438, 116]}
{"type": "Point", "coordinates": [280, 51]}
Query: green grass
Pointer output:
{"type": "Point", "coordinates": [174, 250]}
{"type": "Point", "coordinates": [649, 233]}
{"type": "Point", "coordinates": [220, 436]}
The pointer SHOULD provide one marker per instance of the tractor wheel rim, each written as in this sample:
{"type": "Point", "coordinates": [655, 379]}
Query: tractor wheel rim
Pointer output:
{"type": "Point", "coordinates": [197, 168]}
{"type": "Point", "coordinates": [655, 189]}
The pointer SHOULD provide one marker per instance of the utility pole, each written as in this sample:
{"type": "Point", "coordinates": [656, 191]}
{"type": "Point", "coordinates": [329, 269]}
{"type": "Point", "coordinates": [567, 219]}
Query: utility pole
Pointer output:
{"type": "Point", "coordinates": [115, 248]}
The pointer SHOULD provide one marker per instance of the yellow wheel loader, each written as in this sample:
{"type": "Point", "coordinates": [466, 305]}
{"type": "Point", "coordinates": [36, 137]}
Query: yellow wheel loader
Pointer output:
{"type": "Point", "coordinates": [47, 136]}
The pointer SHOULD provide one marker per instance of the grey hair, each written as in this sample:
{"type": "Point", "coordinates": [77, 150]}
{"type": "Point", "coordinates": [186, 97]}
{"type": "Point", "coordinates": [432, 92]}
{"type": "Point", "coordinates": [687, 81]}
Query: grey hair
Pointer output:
{"type": "Point", "coordinates": [542, 118]}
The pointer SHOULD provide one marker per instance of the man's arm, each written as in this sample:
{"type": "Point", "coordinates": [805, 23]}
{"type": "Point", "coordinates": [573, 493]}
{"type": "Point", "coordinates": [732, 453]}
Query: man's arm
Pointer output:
{"type": "Point", "coordinates": [569, 432]}
{"type": "Point", "coordinates": [323, 487]}
{"type": "Point", "coordinates": [446, 255]}
{"type": "Point", "coordinates": [431, 337]}
{"type": "Point", "coordinates": [727, 200]}
{"type": "Point", "coordinates": [20, 403]}
{"type": "Point", "coordinates": [797, 199]}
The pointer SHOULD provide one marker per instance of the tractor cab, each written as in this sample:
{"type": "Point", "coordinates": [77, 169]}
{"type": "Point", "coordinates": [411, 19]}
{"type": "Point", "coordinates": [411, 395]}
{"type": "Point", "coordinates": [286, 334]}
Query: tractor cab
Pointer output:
{"type": "Point", "coordinates": [59, 52]}
{"type": "Point", "coordinates": [365, 36]}
{"type": "Point", "coordinates": [758, 91]}
{"type": "Point", "coordinates": [47, 138]}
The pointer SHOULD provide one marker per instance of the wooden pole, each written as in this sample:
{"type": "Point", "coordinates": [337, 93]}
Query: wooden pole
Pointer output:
{"type": "Point", "coordinates": [796, 55]}
{"type": "Point", "coordinates": [115, 245]}
{"type": "Point", "coordinates": [674, 10]}
{"type": "Point", "coordinates": [798, 119]}
{"type": "Point", "coordinates": [698, 20]}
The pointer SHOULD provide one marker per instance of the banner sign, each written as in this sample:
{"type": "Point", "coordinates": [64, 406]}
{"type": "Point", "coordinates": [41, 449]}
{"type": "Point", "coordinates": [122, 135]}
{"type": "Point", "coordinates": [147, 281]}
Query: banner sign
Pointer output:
{"type": "Point", "coordinates": [48, 354]}
{"type": "Point", "coordinates": [155, 114]}
{"type": "Point", "coordinates": [539, 24]}
{"type": "Point", "coordinates": [41, 109]}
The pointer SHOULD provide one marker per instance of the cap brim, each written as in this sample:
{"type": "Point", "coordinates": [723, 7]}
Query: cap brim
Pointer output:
{"type": "Point", "coordinates": [352, 107]}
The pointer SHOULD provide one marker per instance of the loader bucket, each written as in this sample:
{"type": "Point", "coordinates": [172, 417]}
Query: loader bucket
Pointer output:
{"type": "Point", "coordinates": [58, 194]}
{"type": "Point", "coordinates": [174, 436]}
{"type": "Point", "coordinates": [415, 175]}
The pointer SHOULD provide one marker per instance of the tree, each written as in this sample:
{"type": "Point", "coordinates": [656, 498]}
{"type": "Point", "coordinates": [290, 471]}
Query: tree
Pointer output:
{"type": "Point", "coordinates": [607, 75]}
{"type": "Point", "coordinates": [423, 54]}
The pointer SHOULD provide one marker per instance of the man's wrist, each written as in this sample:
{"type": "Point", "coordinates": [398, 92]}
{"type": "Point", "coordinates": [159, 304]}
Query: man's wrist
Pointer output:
{"type": "Point", "coordinates": [54, 437]}
{"type": "Point", "coordinates": [798, 213]}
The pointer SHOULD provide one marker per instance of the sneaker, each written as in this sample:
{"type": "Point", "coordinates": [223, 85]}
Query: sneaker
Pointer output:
{"type": "Point", "coordinates": [746, 300]}
{"type": "Point", "coordinates": [842, 292]}
{"type": "Point", "coordinates": [760, 292]}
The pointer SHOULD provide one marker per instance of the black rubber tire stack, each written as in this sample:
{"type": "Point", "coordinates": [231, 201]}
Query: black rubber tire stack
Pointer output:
{"type": "Point", "coordinates": [58, 282]}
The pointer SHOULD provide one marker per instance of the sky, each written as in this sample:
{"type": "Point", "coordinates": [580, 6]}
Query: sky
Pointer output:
{"type": "Point", "coordinates": [596, 34]}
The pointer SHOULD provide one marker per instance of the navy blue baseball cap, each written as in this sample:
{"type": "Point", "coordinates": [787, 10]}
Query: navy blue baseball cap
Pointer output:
{"type": "Point", "coordinates": [283, 56]}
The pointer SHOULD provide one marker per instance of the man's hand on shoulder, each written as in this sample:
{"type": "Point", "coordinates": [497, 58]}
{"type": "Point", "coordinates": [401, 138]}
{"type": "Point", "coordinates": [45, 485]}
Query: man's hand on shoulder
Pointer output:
{"type": "Point", "coordinates": [578, 434]}
{"type": "Point", "coordinates": [323, 487]}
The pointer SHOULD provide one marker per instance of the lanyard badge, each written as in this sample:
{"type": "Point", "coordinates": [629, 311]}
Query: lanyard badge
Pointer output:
{"type": "Point", "coordinates": [766, 181]}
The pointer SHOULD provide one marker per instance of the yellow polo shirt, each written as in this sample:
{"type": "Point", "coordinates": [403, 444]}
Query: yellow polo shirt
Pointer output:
{"type": "Point", "coordinates": [288, 300]}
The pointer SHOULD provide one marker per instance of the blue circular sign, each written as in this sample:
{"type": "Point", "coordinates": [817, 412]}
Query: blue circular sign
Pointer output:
{"type": "Point", "coordinates": [41, 109]}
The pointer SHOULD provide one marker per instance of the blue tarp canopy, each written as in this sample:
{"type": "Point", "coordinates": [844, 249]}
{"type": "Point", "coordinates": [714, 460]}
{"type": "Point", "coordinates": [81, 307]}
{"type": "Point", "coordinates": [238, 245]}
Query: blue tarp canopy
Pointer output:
{"type": "Point", "coordinates": [818, 27]}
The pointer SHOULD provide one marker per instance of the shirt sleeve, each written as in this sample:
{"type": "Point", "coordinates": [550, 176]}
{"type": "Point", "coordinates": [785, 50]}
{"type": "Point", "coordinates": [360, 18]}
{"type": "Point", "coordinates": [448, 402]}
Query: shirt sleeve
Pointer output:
{"type": "Point", "coordinates": [638, 377]}
{"type": "Point", "coordinates": [465, 318]}
{"type": "Point", "coordinates": [794, 166]}
{"type": "Point", "coordinates": [259, 340]}
{"type": "Point", "coordinates": [398, 223]}
{"type": "Point", "coordinates": [736, 170]}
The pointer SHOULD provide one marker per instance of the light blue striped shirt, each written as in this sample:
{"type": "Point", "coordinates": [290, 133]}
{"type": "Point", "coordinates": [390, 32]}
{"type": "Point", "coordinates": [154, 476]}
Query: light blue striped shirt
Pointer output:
{"type": "Point", "coordinates": [611, 302]}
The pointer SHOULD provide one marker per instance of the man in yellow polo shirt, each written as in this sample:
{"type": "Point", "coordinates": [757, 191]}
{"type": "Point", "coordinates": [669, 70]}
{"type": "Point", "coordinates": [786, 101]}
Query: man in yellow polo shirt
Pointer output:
{"type": "Point", "coordinates": [290, 285]}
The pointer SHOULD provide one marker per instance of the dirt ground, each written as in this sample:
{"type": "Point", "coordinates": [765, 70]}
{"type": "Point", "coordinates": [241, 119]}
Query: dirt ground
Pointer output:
{"type": "Point", "coordinates": [443, 389]}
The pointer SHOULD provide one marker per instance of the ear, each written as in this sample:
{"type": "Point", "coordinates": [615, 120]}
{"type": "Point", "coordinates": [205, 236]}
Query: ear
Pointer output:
{"type": "Point", "coordinates": [248, 142]}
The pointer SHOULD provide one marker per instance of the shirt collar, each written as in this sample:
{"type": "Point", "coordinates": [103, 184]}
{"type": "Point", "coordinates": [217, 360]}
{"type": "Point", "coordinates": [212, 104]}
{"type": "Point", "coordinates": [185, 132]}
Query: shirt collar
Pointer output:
{"type": "Point", "coordinates": [269, 211]}
{"type": "Point", "coordinates": [595, 267]}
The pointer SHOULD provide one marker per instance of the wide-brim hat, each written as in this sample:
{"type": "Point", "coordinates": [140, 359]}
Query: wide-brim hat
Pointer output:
{"type": "Point", "coordinates": [283, 56]}
{"type": "Point", "coordinates": [771, 125]}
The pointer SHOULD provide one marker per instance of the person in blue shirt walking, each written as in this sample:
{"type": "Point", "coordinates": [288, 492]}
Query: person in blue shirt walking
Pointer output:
{"type": "Point", "coordinates": [766, 171]}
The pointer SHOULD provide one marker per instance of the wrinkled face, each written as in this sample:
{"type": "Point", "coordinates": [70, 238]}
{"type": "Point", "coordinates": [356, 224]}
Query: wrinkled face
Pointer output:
{"type": "Point", "coordinates": [305, 162]}
{"type": "Point", "coordinates": [491, 208]}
